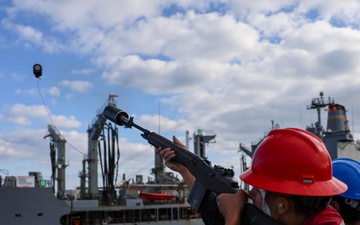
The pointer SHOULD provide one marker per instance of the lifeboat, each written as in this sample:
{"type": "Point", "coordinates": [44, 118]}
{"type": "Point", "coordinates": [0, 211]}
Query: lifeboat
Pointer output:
{"type": "Point", "coordinates": [151, 196]}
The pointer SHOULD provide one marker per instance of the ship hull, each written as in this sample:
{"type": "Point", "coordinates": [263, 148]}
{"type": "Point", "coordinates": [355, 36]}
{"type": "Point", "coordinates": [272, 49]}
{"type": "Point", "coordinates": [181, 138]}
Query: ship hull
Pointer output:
{"type": "Point", "coordinates": [132, 211]}
{"type": "Point", "coordinates": [20, 206]}
{"type": "Point", "coordinates": [30, 206]}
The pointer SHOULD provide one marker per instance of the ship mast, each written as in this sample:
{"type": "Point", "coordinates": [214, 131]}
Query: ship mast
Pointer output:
{"type": "Point", "coordinates": [318, 103]}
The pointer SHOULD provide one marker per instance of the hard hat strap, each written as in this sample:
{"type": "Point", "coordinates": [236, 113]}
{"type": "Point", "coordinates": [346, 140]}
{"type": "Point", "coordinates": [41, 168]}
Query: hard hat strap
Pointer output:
{"type": "Point", "coordinates": [264, 206]}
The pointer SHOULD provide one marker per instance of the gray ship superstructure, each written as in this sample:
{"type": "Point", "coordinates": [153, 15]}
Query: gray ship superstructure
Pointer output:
{"type": "Point", "coordinates": [337, 136]}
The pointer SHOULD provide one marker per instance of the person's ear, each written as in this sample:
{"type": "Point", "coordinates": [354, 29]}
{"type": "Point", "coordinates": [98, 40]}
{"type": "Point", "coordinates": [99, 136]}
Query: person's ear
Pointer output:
{"type": "Point", "coordinates": [335, 205]}
{"type": "Point", "coordinates": [282, 205]}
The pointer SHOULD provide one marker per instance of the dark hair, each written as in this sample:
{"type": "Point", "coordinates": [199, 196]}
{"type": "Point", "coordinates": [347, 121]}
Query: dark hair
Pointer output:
{"type": "Point", "coordinates": [348, 213]}
{"type": "Point", "coordinates": [306, 205]}
{"type": "Point", "coordinates": [309, 205]}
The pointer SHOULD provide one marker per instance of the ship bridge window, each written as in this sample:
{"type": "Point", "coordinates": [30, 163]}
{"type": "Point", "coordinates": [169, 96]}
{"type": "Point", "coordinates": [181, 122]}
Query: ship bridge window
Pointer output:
{"type": "Point", "coordinates": [164, 214]}
{"type": "Point", "coordinates": [187, 213]}
{"type": "Point", "coordinates": [132, 216]}
{"type": "Point", "coordinates": [148, 215]}
{"type": "Point", "coordinates": [184, 213]}
{"type": "Point", "coordinates": [175, 213]}
{"type": "Point", "coordinates": [114, 216]}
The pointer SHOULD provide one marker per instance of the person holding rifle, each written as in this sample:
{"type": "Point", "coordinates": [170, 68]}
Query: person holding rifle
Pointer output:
{"type": "Point", "coordinates": [291, 176]}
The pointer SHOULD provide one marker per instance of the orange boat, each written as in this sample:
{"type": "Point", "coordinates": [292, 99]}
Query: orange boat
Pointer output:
{"type": "Point", "coordinates": [156, 196]}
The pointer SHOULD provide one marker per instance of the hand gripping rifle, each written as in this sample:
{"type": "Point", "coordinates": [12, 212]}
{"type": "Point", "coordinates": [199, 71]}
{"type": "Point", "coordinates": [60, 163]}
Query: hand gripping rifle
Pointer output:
{"type": "Point", "coordinates": [208, 179]}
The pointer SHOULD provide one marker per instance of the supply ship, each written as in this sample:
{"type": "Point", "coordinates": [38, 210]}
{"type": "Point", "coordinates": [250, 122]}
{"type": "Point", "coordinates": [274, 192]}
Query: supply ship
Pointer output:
{"type": "Point", "coordinates": [32, 200]}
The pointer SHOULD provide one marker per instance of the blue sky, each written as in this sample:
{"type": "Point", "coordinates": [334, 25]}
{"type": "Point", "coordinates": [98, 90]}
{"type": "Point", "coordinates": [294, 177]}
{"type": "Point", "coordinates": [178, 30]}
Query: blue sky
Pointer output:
{"type": "Point", "coordinates": [226, 66]}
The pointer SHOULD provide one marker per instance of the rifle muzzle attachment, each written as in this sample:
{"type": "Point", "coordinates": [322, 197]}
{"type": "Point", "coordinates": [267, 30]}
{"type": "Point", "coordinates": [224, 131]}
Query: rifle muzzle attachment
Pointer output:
{"type": "Point", "coordinates": [116, 115]}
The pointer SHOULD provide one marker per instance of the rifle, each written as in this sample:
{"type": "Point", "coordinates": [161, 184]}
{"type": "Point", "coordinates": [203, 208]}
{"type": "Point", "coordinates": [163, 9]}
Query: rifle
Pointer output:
{"type": "Point", "coordinates": [208, 179]}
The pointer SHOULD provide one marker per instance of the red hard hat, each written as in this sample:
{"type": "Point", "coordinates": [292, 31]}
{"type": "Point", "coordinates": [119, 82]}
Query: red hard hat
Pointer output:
{"type": "Point", "coordinates": [293, 161]}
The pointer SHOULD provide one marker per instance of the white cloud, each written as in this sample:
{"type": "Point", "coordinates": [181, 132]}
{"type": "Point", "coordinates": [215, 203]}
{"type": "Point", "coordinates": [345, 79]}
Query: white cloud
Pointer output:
{"type": "Point", "coordinates": [83, 71]}
{"type": "Point", "coordinates": [165, 124]}
{"type": "Point", "coordinates": [32, 92]}
{"type": "Point", "coordinates": [66, 121]}
{"type": "Point", "coordinates": [21, 110]}
{"type": "Point", "coordinates": [21, 114]}
{"type": "Point", "coordinates": [348, 13]}
{"type": "Point", "coordinates": [54, 91]}
{"type": "Point", "coordinates": [34, 38]}
{"type": "Point", "coordinates": [79, 86]}
{"type": "Point", "coordinates": [232, 71]}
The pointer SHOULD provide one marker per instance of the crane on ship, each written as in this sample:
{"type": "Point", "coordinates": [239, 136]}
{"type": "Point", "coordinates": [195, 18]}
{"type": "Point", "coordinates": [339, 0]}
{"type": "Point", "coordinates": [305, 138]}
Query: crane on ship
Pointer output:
{"type": "Point", "coordinates": [57, 156]}
{"type": "Point", "coordinates": [245, 152]}
{"type": "Point", "coordinates": [103, 150]}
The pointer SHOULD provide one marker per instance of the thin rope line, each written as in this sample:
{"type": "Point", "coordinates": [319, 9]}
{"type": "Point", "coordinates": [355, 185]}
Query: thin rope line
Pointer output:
{"type": "Point", "coordinates": [52, 122]}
